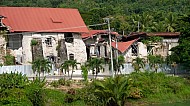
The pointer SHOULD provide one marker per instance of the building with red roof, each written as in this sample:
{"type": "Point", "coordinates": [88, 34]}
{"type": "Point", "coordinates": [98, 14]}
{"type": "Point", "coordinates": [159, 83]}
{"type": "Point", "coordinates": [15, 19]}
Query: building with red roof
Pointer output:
{"type": "Point", "coordinates": [57, 31]}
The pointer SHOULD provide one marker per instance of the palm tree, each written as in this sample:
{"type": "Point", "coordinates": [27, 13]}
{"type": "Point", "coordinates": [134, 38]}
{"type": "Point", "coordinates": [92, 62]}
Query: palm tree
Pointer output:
{"type": "Point", "coordinates": [84, 69]}
{"type": "Point", "coordinates": [113, 91]}
{"type": "Point", "coordinates": [73, 64]}
{"type": "Point", "coordinates": [65, 66]}
{"type": "Point", "coordinates": [118, 64]}
{"type": "Point", "coordinates": [95, 65]}
{"type": "Point", "coordinates": [121, 61]}
{"type": "Point", "coordinates": [155, 61]}
{"type": "Point", "coordinates": [138, 63]}
{"type": "Point", "coordinates": [41, 65]}
{"type": "Point", "coordinates": [46, 65]}
{"type": "Point", "coordinates": [170, 21]}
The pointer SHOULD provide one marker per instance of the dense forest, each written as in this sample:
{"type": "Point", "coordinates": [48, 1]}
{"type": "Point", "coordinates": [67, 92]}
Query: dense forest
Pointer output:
{"type": "Point", "coordinates": [127, 15]}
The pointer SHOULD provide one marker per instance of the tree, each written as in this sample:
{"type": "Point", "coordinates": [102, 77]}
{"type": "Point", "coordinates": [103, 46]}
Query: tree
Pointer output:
{"type": "Point", "coordinates": [181, 53]}
{"type": "Point", "coordinates": [73, 64]}
{"type": "Point", "coordinates": [65, 66]}
{"type": "Point", "coordinates": [41, 65]}
{"type": "Point", "coordinates": [95, 65]}
{"type": "Point", "coordinates": [118, 64]}
{"type": "Point", "coordinates": [155, 61]}
{"type": "Point", "coordinates": [112, 91]}
{"type": "Point", "coordinates": [84, 72]}
{"type": "Point", "coordinates": [138, 63]}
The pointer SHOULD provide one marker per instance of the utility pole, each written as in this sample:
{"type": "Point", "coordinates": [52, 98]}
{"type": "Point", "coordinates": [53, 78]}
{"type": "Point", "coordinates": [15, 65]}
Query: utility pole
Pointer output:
{"type": "Point", "coordinates": [109, 32]}
{"type": "Point", "coordinates": [138, 26]}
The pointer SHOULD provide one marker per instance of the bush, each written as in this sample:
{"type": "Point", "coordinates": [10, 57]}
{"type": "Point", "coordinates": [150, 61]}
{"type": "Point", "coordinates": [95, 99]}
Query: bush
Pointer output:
{"type": "Point", "coordinates": [62, 81]}
{"type": "Point", "coordinates": [34, 42]}
{"type": "Point", "coordinates": [9, 60]}
{"type": "Point", "coordinates": [112, 91]}
{"type": "Point", "coordinates": [13, 80]}
{"type": "Point", "coordinates": [150, 83]}
{"type": "Point", "coordinates": [35, 92]}
{"type": "Point", "coordinates": [54, 84]}
{"type": "Point", "coordinates": [14, 96]}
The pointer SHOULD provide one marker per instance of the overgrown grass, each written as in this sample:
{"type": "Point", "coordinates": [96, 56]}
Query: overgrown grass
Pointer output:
{"type": "Point", "coordinates": [136, 88]}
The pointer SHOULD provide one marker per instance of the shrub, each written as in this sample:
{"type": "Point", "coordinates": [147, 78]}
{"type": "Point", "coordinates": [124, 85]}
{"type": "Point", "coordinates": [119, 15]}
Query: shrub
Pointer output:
{"type": "Point", "coordinates": [13, 80]}
{"type": "Point", "coordinates": [112, 91]}
{"type": "Point", "coordinates": [54, 84]}
{"type": "Point", "coordinates": [86, 94]}
{"type": "Point", "coordinates": [9, 60]}
{"type": "Point", "coordinates": [150, 83]}
{"type": "Point", "coordinates": [34, 42]}
{"type": "Point", "coordinates": [35, 92]}
{"type": "Point", "coordinates": [14, 96]}
{"type": "Point", "coordinates": [62, 81]}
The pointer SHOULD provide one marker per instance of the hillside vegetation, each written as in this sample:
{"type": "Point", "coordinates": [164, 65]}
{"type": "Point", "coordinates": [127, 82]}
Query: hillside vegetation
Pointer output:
{"type": "Point", "coordinates": [152, 15]}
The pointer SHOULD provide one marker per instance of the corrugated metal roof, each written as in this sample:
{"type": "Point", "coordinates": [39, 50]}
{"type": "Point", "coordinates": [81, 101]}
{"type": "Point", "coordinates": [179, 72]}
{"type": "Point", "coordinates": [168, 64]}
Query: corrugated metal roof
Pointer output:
{"type": "Point", "coordinates": [29, 19]}
{"type": "Point", "coordinates": [123, 46]}
{"type": "Point", "coordinates": [164, 34]}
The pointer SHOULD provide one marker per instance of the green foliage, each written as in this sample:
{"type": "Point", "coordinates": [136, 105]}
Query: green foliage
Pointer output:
{"type": "Point", "coordinates": [12, 80]}
{"type": "Point", "coordinates": [138, 63]}
{"type": "Point", "coordinates": [16, 90]}
{"type": "Point", "coordinates": [41, 65]}
{"type": "Point", "coordinates": [153, 16]}
{"type": "Point", "coordinates": [181, 53]}
{"type": "Point", "coordinates": [151, 84]}
{"type": "Point", "coordinates": [54, 97]}
{"type": "Point", "coordinates": [87, 95]}
{"type": "Point", "coordinates": [112, 91]}
{"type": "Point", "coordinates": [61, 82]}
{"type": "Point", "coordinates": [34, 42]}
{"type": "Point", "coordinates": [96, 65]}
{"type": "Point", "coordinates": [67, 64]}
{"type": "Point", "coordinates": [9, 60]}
{"type": "Point", "coordinates": [35, 92]}
{"type": "Point", "coordinates": [84, 72]}
{"type": "Point", "coordinates": [155, 61]}
{"type": "Point", "coordinates": [54, 84]}
{"type": "Point", "coordinates": [14, 97]}
{"type": "Point", "coordinates": [152, 39]}
{"type": "Point", "coordinates": [118, 64]}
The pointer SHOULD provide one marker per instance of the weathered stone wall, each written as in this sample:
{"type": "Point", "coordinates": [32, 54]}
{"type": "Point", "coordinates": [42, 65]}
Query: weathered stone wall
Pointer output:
{"type": "Point", "coordinates": [2, 49]}
{"type": "Point", "coordinates": [78, 48]}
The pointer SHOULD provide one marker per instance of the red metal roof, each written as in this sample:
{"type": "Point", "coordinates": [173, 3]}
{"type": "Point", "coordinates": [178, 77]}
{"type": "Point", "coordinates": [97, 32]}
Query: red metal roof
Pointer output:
{"type": "Point", "coordinates": [123, 46]}
{"type": "Point", "coordinates": [164, 34]}
{"type": "Point", "coordinates": [95, 32]}
{"type": "Point", "coordinates": [29, 19]}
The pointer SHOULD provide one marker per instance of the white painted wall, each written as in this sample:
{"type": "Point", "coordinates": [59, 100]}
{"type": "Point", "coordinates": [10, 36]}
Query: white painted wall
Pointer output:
{"type": "Point", "coordinates": [142, 50]}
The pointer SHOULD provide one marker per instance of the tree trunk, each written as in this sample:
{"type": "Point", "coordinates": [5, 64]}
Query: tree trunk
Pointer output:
{"type": "Point", "coordinates": [39, 75]}
{"type": "Point", "coordinates": [72, 74]}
